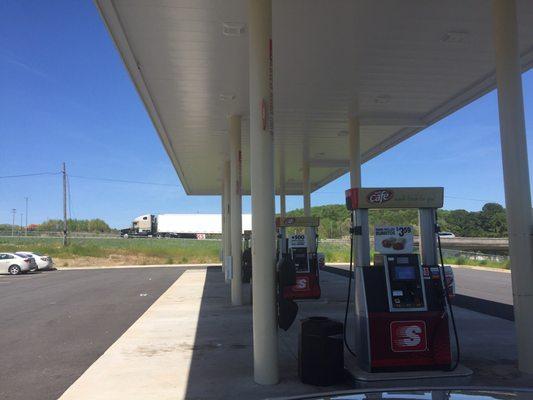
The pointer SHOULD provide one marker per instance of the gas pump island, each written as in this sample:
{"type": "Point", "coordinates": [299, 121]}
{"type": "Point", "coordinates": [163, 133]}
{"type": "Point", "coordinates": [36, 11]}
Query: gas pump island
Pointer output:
{"type": "Point", "coordinates": [403, 317]}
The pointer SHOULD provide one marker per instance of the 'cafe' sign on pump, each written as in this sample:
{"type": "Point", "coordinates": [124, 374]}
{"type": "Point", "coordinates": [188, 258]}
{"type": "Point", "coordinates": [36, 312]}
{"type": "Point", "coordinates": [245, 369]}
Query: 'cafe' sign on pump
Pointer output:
{"type": "Point", "coordinates": [432, 197]}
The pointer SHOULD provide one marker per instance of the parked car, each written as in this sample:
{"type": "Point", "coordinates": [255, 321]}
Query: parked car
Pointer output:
{"type": "Point", "coordinates": [450, 280]}
{"type": "Point", "coordinates": [321, 260]}
{"type": "Point", "coordinates": [446, 235]}
{"type": "Point", "coordinates": [42, 261]}
{"type": "Point", "coordinates": [13, 264]}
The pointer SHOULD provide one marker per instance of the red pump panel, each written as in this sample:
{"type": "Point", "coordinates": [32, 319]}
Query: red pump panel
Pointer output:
{"type": "Point", "coordinates": [307, 286]}
{"type": "Point", "coordinates": [414, 340]}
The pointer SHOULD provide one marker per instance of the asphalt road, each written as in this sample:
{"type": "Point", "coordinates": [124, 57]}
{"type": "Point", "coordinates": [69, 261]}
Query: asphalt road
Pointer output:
{"type": "Point", "coordinates": [483, 284]}
{"type": "Point", "coordinates": [55, 324]}
{"type": "Point", "coordinates": [480, 283]}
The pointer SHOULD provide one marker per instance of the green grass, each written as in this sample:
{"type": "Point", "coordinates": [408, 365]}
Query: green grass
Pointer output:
{"type": "Point", "coordinates": [335, 252]}
{"type": "Point", "coordinates": [169, 250]}
{"type": "Point", "coordinates": [476, 263]}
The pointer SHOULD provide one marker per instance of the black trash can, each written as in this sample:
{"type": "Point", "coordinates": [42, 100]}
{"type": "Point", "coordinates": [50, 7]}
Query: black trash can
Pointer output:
{"type": "Point", "coordinates": [321, 351]}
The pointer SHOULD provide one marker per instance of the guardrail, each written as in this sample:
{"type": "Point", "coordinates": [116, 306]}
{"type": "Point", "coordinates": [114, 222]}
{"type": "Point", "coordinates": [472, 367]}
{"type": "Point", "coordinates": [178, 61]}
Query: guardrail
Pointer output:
{"type": "Point", "coordinates": [459, 243]}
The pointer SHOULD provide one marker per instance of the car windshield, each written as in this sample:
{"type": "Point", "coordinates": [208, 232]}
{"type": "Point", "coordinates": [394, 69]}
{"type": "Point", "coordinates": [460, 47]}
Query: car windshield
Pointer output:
{"type": "Point", "coordinates": [22, 254]}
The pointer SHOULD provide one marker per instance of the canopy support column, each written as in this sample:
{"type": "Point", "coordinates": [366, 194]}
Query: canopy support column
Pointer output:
{"type": "Point", "coordinates": [222, 222]}
{"type": "Point", "coordinates": [236, 208]}
{"type": "Point", "coordinates": [306, 189]}
{"type": "Point", "coordinates": [227, 218]}
{"type": "Point", "coordinates": [265, 336]}
{"type": "Point", "coordinates": [515, 174]}
{"type": "Point", "coordinates": [361, 242]}
{"type": "Point", "coordinates": [282, 203]}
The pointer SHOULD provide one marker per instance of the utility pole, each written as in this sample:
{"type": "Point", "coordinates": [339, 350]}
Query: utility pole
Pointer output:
{"type": "Point", "coordinates": [14, 211]}
{"type": "Point", "coordinates": [64, 172]}
{"type": "Point", "coordinates": [26, 228]}
{"type": "Point", "coordinates": [20, 231]}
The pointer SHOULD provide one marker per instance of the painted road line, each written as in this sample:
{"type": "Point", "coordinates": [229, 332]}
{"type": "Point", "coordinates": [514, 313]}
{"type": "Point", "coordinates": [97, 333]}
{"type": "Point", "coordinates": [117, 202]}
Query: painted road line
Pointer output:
{"type": "Point", "coordinates": [151, 360]}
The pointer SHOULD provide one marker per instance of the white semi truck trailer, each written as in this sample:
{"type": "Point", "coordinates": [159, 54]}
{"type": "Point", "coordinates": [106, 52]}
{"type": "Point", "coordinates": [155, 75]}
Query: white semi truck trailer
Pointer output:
{"type": "Point", "coordinates": [193, 226]}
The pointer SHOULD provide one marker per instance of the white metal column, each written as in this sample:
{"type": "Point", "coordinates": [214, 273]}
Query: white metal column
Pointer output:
{"type": "Point", "coordinates": [265, 334]}
{"type": "Point", "coordinates": [515, 174]}
{"type": "Point", "coordinates": [306, 189]}
{"type": "Point", "coordinates": [236, 208]}
{"type": "Point", "coordinates": [361, 243]}
{"type": "Point", "coordinates": [428, 237]}
{"type": "Point", "coordinates": [227, 221]}
{"type": "Point", "coordinates": [282, 203]}
{"type": "Point", "coordinates": [222, 222]}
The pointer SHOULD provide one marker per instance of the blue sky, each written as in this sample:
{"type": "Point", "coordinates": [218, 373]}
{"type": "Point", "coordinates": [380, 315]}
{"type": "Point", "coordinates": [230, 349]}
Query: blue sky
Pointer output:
{"type": "Point", "coordinates": [65, 96]}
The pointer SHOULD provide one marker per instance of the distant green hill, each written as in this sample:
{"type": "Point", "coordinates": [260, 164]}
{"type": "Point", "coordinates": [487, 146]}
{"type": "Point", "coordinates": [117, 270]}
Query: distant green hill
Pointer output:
{"type": "Point", "coordinates": [489, 222]}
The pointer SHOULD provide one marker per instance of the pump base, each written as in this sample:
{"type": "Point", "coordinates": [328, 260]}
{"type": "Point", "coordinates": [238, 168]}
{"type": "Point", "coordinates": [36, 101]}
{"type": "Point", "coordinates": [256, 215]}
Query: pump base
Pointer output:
{"type": "Point", "coordinates": [361, 375]}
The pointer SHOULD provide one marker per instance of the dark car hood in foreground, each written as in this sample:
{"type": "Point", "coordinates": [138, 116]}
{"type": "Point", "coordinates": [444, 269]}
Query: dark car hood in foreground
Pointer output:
{"type": "Point", "coordinates": [425, 394]}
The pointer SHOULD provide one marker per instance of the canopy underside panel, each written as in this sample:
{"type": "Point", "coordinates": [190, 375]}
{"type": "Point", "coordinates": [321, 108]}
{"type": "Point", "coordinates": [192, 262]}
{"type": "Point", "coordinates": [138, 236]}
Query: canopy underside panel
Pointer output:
{"type": "Point", "coordinates": [399, 65]}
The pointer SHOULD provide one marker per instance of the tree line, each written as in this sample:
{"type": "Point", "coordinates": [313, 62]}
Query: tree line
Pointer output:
{"type": "Point", "coordinates": [489, 222]}
{"type": "Point", "coordinates": [95, 225]}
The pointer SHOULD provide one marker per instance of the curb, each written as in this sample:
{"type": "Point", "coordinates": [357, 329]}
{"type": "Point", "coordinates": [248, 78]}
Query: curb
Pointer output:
{"type": "Point", "coordinates": [199, 266]}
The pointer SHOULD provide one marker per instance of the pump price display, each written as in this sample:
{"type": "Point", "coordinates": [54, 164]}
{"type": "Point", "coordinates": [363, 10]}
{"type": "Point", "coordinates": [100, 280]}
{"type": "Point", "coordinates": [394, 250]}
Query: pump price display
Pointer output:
{"type": "Point", "coordinates": [393, 239]}
{"type": "Point", "coordinates": [297, 241]}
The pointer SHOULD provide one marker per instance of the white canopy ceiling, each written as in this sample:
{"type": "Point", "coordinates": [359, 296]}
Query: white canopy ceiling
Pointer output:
{"type": "Point", "coordinates": [400, 65]}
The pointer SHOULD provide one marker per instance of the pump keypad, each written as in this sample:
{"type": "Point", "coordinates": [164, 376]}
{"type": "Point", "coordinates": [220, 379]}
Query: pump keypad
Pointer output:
{"type": "Point", "coordinates": [405, 283]}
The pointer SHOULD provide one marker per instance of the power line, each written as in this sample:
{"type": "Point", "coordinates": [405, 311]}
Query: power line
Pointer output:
{"type": "Point", "coordinates": [123, 181]}
{"type": "Point", "coordinates": [25, 175]}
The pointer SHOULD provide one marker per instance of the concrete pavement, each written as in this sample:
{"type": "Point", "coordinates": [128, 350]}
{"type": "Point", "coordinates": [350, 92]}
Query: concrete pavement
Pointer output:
{"type": "Point", "coordinates": [190, 343]}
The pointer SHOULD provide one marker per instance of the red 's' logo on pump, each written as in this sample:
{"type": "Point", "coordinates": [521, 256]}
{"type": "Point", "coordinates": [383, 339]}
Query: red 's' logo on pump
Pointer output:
{"type": "Point", "coordinates": [379, 196]}
{"type": "Point", "coordinates": [408, 336]}
{"type": "Point", "coordinates": [302, 283]}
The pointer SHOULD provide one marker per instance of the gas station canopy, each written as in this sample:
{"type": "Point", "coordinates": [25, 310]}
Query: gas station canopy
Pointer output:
{"type": "Point", "coordinates": [398, 65]}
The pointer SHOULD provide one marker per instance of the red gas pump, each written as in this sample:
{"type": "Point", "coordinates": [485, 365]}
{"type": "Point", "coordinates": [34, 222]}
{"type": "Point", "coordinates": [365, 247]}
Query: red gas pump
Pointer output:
{"type": "Point", "coordinates": [301, 249]}
{"type": "Point", "coordinates": [402, 311]}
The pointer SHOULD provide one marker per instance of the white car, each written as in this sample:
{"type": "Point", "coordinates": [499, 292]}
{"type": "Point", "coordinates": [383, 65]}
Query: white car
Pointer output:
{"type": "Point", "coordinates": [12, 264]}
{"type": "Point", "coordinates": [42, 262]}
{"type": "Point", "coordinates": [446, 235]}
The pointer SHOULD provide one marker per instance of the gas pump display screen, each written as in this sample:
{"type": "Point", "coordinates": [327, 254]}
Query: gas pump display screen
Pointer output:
{"type": "Point", "coordinates": [402, 260]}
{"type": "Point", "coordinates": [406, 273]}
{"type": "Point", "coordinates": [299, 256]}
